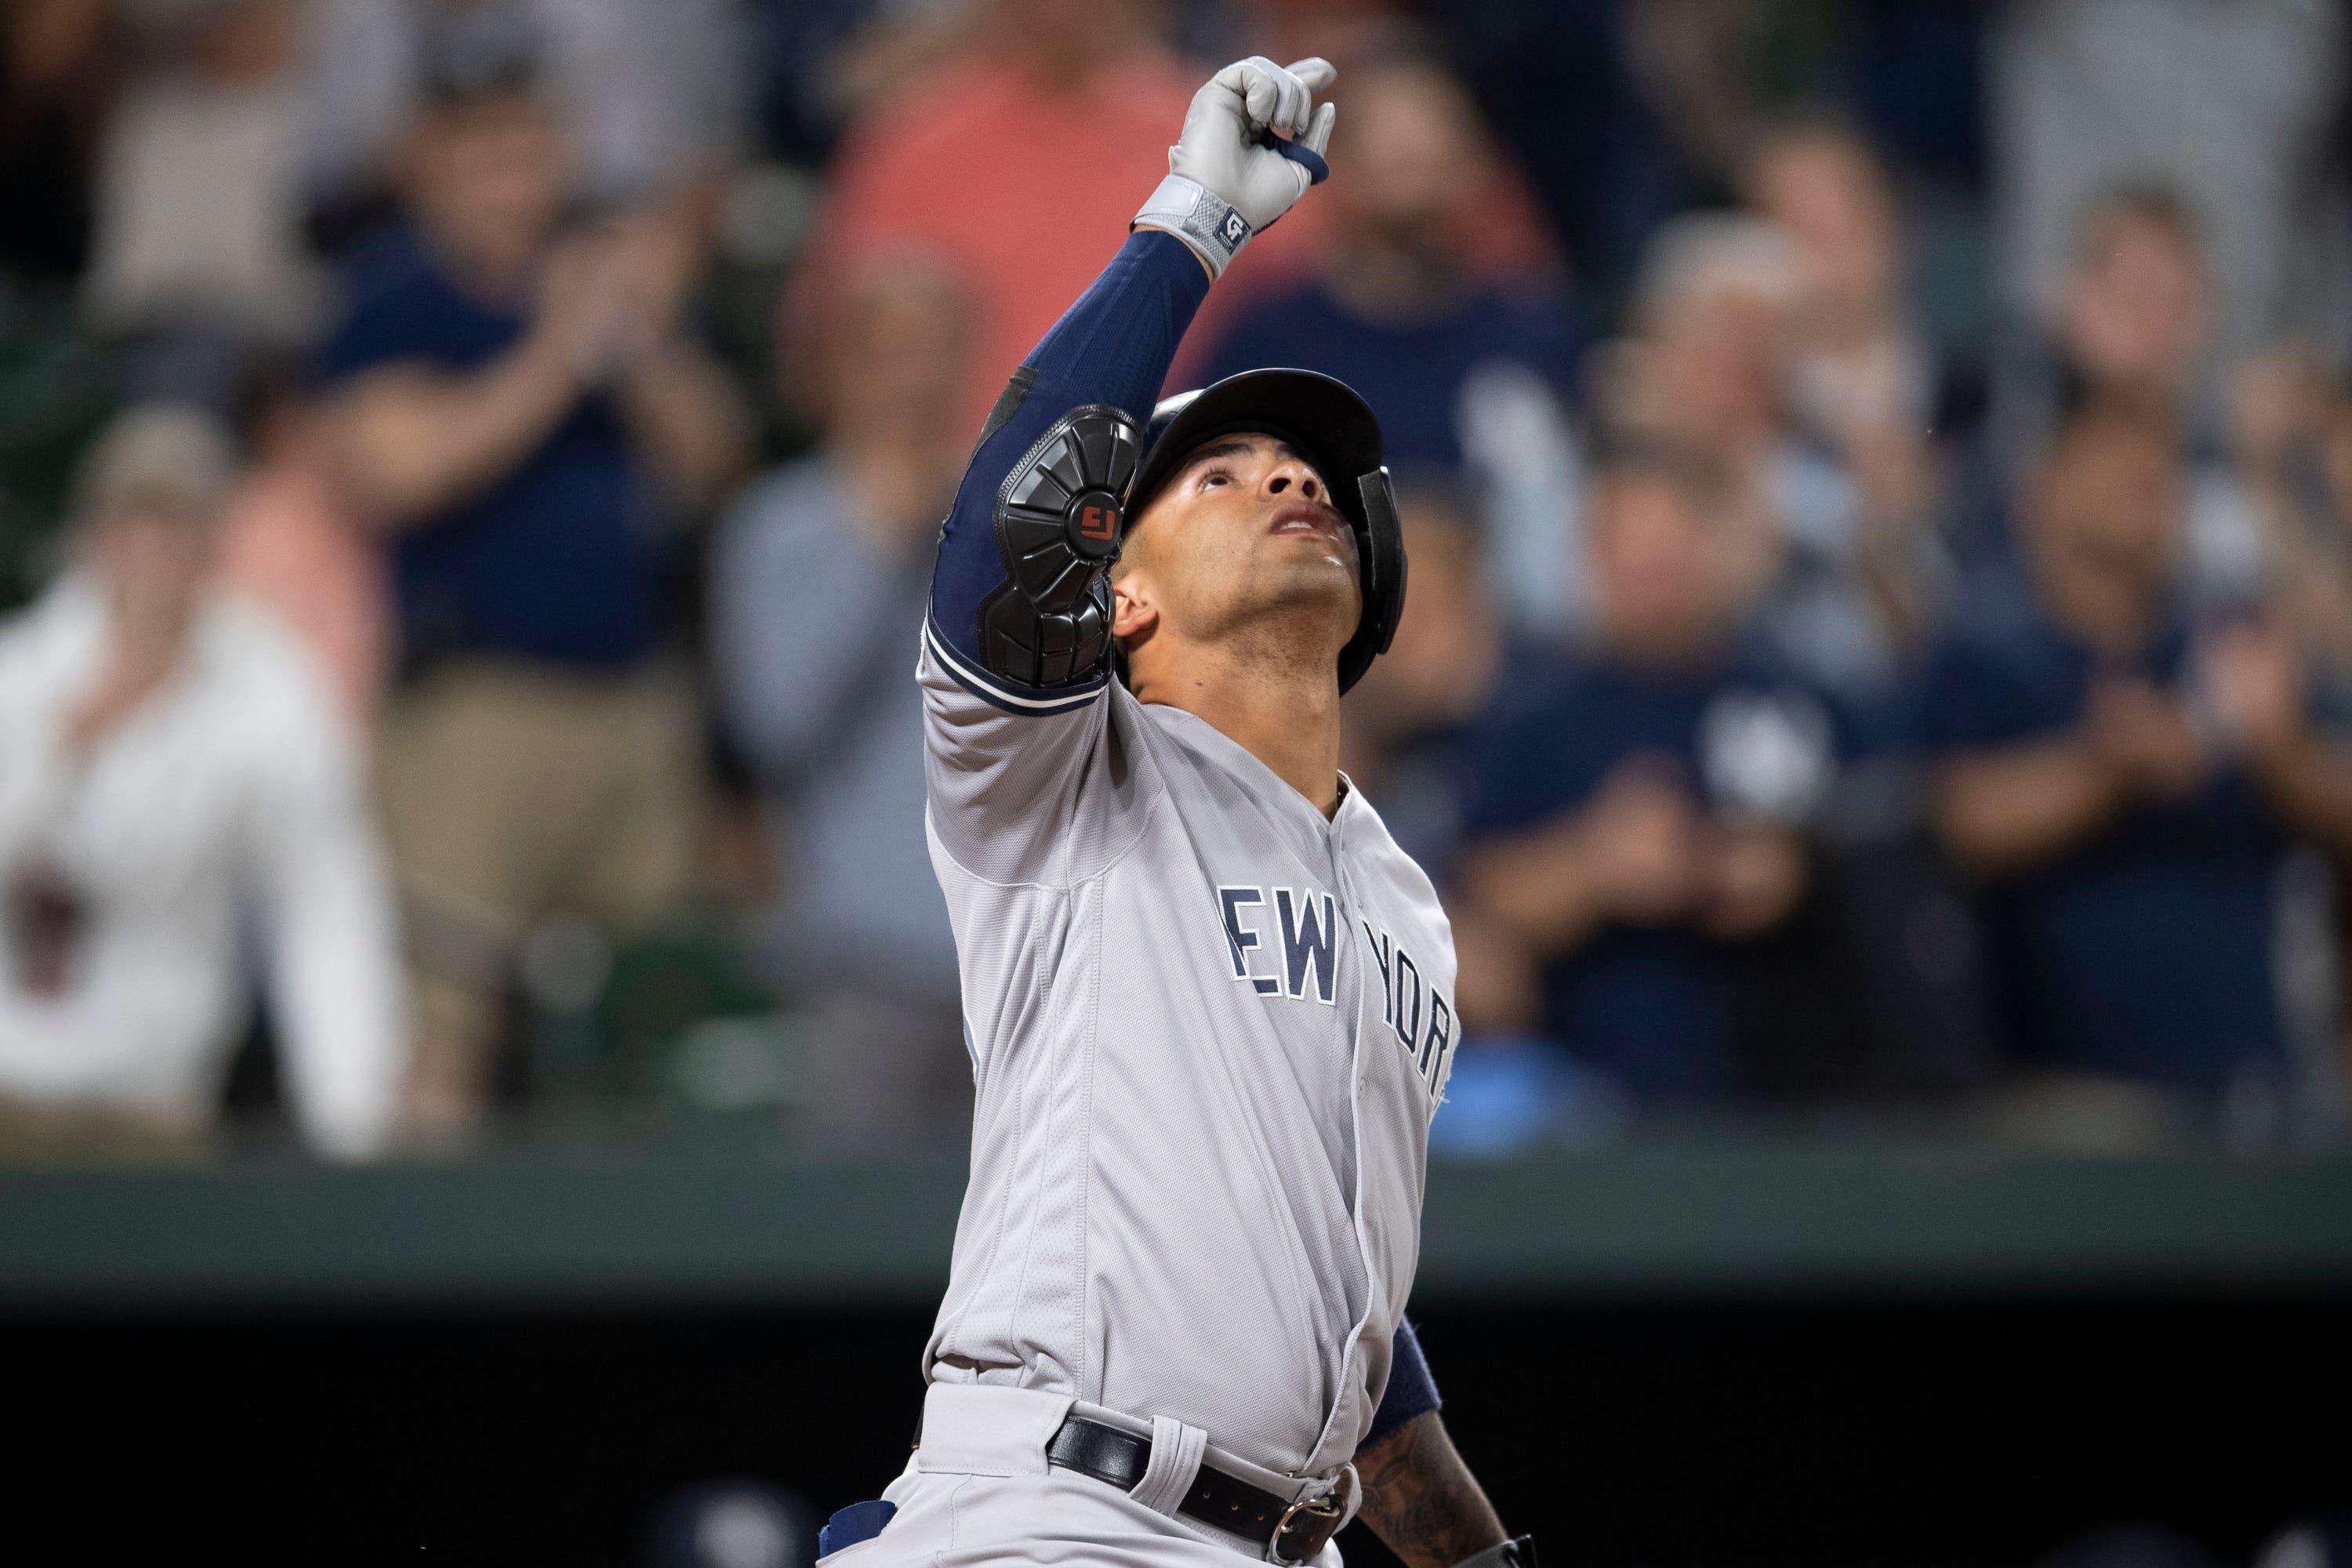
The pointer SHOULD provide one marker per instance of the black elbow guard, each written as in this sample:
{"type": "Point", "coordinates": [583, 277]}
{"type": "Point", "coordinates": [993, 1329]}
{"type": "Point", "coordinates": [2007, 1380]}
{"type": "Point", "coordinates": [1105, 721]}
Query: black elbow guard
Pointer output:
{"type": "Point", "coordinates": [1058, 519]}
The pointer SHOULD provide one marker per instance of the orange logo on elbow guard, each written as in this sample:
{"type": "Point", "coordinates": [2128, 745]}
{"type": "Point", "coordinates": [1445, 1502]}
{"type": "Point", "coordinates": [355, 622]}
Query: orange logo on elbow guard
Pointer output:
{"type": "Point", "coordinates": [1091, 524]}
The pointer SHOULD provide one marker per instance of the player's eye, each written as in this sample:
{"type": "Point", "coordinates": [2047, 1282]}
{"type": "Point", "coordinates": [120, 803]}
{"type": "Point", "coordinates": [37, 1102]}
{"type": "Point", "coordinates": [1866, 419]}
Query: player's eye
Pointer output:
{"type": "Point", "coordinates": [1216, 475]}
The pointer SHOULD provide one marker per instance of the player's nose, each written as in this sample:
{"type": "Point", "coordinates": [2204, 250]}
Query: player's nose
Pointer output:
{"type": "Point", "coordinates": [1291, 476]}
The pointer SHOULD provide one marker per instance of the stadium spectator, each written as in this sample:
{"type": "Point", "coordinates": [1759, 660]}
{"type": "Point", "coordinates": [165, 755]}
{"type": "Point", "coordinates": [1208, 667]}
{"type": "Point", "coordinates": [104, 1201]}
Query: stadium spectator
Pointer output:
{"type": "Point", "coordinates": [2237, 108]}
{"type": "Point", "coordinates": [818, 580]}
{"type": "Point", "coordinates": [1627, 114]}
{"type": "Point", "coordinates": [519, 407]}
{"type": "Point", "coordinates": [1470, 374]}
{"type": "Point", "coordinates": [653, 93]}
{"type": "Point", "coordinates": [1837, 565]}
{"type": "Point", "coordinates": [1863, 383]}
{"type": "Point", "coordinates": [200, 256]}
{"type": "Point", "coordinates": [170, 763]}
{"type": "Point", "coordinates": [2126, 781]}
{"type": "Point", "coordinates": [290, 544]}
{"type": "Point", "coordinates": [2136, 314]}
{"type": "Point", "coordinates": [1409, 720]}
{"type": "Point", "coordinates": [2132, 322]}
{"type": "Point", "coordinates": [1633, 807]}
{"type": "Point", "coordinates": [2291, 438]}
{"type": "Point", "coordinates": [827, 60]}
{"type": "Point", "coordinates": [1863, 379]}
{"type": "Point", "coordinates": [1061, 107]}
{"type": "Point", "coordinates": [1411, 730]}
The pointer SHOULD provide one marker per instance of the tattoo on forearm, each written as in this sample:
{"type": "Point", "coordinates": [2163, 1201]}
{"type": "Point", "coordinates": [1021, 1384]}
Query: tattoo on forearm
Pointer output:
{"type": "Point", "coordinates": [1421, 1500]}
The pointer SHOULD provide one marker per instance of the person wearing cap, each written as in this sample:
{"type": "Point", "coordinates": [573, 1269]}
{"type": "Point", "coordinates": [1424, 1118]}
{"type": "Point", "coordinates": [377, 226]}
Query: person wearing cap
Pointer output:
{"type": "Point", "coordinates": [516, 405]}
{"type": "Point", "coordinates": [1208, 1000]}
{"type": "Point", "coordinates": [174, 771]}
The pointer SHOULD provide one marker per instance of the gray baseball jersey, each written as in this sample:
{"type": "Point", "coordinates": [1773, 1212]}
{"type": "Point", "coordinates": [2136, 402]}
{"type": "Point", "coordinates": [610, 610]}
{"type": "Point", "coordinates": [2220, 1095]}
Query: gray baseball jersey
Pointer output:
{"type": "Point", "coordinates": [1209, 1029]}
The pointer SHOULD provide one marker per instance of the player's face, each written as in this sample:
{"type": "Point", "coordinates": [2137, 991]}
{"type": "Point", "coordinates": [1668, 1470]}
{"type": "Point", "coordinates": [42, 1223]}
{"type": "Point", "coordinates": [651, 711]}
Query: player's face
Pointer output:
{"type": "Point", "coordinates": [1245, 531]}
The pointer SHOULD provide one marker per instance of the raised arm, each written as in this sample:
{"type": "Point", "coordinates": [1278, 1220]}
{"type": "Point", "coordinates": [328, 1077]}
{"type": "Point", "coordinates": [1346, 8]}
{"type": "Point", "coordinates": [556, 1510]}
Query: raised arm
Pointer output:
{"type": "Point", "coordinates": [1019, 736]}
{"type": "Point", "coordinates": [1020, 594]}
{"type": "Point", "coordinates": [327, 911]}
{"type": "Point", "coordinates": [411, 439]}
{"type": "Point", "coordinates": [1019, 591]}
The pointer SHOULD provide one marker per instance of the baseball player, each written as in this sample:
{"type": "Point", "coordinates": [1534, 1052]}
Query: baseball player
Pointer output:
{"type": "Point", "coordinates": [1209, 1002]}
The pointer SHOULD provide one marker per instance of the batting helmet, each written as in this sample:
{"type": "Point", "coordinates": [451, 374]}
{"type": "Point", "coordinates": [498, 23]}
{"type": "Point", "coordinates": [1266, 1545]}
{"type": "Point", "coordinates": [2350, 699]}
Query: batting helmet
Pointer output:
{"type": "Point", "coordinates": [1335, 430]}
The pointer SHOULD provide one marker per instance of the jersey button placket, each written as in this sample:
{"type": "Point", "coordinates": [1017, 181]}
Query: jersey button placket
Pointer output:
{"type": "Point", "coordinates": [1352, 922]}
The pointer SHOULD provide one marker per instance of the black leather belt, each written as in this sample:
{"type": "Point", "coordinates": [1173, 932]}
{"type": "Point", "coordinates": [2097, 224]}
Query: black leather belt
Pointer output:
{"type": "Point", "coordinates": [1291, 1532]}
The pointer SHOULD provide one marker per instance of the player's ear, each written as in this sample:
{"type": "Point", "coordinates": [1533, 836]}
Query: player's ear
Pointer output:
{"type": "Point", "coordinates": [1133, 612]}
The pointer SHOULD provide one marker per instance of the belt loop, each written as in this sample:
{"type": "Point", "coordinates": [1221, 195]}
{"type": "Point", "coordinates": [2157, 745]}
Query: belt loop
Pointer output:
{"type": "Point", "coordinates": [1176, 1451]}
{"type": "Point", "coordinates": [1348, 1488]}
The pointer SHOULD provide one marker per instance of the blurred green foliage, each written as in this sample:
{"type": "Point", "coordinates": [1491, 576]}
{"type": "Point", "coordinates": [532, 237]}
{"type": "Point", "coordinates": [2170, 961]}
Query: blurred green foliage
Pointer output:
{"type": "Point", "coordinates": [58, 384]}
{"type": "Point", "coordinates": [677, 1017]}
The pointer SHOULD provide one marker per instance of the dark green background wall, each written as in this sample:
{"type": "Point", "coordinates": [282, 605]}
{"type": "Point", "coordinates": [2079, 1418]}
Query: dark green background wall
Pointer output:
{"type": "Point", "coordinates": [1756, 1352]}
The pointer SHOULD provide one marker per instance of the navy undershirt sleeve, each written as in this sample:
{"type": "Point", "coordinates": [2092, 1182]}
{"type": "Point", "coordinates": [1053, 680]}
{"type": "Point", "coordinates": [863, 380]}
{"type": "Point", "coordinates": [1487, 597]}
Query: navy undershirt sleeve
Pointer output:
{"type": "Point", "coordinates": [1113, 346]}
{"type": "Point", "coordinates": [1411, 1391]}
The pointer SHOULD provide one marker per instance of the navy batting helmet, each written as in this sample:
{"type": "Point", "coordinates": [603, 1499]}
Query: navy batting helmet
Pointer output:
{"type": "Point", "coordinates": [1335, 430]}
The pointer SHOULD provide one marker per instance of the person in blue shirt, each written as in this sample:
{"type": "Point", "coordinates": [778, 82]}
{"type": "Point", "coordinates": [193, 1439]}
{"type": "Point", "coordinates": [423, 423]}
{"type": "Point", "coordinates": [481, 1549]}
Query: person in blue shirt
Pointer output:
{"type": "Point", "coordinates": [1471, 378]}
{"type": "Point", "coordinates": [512, 402]}
{"type": "Point", "coordinates": [815, 575]}
{"type": "Point", "coordinates": [2126, 783]}
{"type": "Point", "coordinates": [1633, 807]}
{"type": "Point", "coordinates": [1413, 719]}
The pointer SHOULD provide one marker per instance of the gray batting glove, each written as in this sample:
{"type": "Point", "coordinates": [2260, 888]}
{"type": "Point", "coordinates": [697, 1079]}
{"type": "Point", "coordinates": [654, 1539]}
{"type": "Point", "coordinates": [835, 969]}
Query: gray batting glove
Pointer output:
{"type": "Point", "coordinates": [1231, 172]}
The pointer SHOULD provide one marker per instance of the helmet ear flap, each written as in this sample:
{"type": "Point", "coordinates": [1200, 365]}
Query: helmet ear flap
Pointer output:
{"type": "Point", "coordinates": [1381, 553]}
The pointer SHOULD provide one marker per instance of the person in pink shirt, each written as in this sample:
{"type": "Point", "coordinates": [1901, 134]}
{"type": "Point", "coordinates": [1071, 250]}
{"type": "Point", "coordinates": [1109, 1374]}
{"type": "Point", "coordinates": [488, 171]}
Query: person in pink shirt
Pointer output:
{"type": "Point", "coordinates": [289, 543]}
{"type": "Point", "coordinates": [1046, 129]}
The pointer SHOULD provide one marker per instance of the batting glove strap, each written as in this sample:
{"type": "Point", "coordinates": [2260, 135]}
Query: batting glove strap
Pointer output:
{"type": "Point", "coordinates": [1202, 218]}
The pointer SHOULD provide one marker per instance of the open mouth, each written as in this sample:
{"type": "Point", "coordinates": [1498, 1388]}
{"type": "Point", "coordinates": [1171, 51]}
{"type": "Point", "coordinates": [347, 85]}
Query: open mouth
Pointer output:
{"type": "Point", "coordinates": [1302, 517]}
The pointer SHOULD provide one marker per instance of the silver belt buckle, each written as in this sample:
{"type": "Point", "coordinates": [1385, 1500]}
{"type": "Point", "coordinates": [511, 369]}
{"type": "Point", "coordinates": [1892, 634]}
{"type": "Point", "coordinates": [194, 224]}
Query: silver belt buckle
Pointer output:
{"type": "Point", "coordinates": [1324, 1507]}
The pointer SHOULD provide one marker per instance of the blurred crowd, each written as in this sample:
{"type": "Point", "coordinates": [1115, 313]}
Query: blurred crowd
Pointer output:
{"type": "Point", "coordinates": [1878, 481]}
